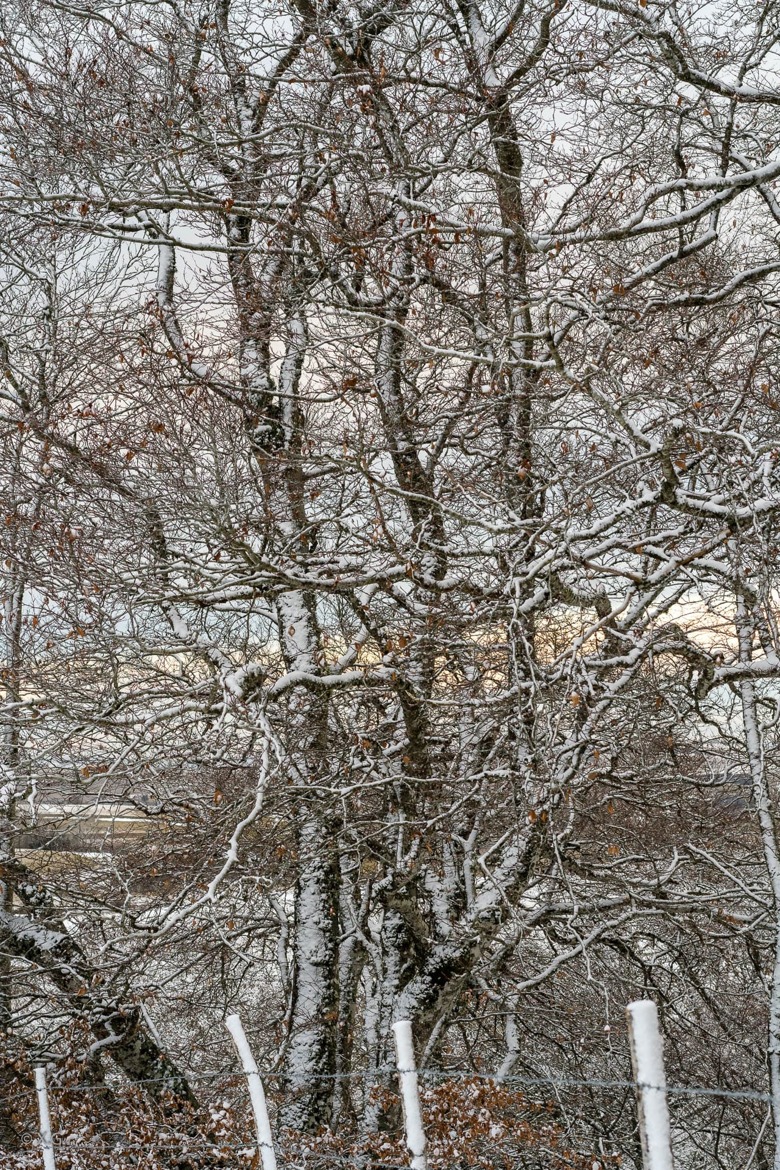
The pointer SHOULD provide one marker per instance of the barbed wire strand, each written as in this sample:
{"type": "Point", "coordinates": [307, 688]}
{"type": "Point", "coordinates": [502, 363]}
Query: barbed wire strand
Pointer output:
{"type": "Point", "coordinates": [553, 1082]}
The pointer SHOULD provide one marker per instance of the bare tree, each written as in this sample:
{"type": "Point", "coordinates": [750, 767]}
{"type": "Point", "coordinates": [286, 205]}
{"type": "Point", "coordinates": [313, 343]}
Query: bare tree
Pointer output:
{"type": "Point", "coordinates": [417, 391]}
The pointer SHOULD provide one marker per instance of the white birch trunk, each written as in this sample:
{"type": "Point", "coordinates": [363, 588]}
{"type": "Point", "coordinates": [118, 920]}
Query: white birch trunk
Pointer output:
{"type": "Point", "coordinates": [762, 799]}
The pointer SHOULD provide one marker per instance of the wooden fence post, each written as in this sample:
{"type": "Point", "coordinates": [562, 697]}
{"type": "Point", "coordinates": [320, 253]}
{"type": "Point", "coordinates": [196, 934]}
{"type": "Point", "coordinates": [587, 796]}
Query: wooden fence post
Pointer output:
{"type": "Point", "coordinates": [410, 1093]}
{"type": "Point", "coordinates": [647, 1059]}
{"type": "Point", "coordinates": [265, 1139]}
{"type": "Point", "coordinates": [47, 1141]}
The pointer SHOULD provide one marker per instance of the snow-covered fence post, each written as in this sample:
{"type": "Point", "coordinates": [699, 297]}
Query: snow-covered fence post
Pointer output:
{"type": "Point", "coordinates": [47, 1141]}
{"type": "Point", "coordinates": [410, 1093]}
{"type": "Point", "coordinates": [647, 1059]}
{"type": "Point", "coordinates": [265, 1139]}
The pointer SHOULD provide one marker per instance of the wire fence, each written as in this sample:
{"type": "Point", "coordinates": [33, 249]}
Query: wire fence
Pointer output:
{"type": "Point", "coordinates": [432, 1076]}
{"type": "Point", "coordinates": [474, 1119]}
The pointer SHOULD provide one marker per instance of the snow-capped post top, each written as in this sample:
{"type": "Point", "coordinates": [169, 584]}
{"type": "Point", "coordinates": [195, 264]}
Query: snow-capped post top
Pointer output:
{"type": "Point", "coordinates": [410, 1094]}
{"type": "Point", "coordinates": [265, 1140]}
{"type": "Point", "coordinates": [647, 1059]}
{"type": "Point", "coordinates": [47, 1141]}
